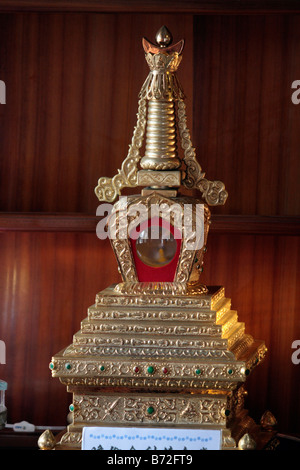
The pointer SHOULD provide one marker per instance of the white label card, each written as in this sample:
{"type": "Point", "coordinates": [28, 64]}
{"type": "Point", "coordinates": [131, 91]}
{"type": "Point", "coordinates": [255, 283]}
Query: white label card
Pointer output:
{"type": "Point", "coordinates": [109, 438]}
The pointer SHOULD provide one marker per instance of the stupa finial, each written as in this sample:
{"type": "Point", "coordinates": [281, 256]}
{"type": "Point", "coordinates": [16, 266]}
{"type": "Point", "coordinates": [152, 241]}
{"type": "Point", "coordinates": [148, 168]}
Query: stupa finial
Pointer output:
{"type": "Point", "coordinates": [163, 37]}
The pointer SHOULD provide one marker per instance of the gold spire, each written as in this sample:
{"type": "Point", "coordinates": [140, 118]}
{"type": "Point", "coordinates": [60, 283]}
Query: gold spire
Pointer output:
{"type": "Point", "coordinates": [161, 116]}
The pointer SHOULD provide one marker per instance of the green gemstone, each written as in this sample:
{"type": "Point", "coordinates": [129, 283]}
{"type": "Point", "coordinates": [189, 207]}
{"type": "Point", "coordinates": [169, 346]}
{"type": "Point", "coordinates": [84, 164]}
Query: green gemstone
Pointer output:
{"type": "Point", "coordinates": [51, 366]}
{"type": "Point", "coordinates": [150, 410]}
{"type": "Point", "coordinates": [150, 370]}
{"type": "Point", "coordinates": [198, 371]}
{"type": "Point", "coordinates": [68, 366]}
{"type": "Point", "coordinates": [247, 372]}
{"type": "Point", "coordinates": [71, 407]}
{"type": "Point", "coordinates": [102, 368]}
{"type": "Point", "coordinates": [230, 371]}
{"type": "Point", "coordinates": [227, 412]}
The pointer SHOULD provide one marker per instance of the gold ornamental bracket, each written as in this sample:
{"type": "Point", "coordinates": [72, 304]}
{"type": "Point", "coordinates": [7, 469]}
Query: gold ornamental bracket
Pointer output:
{"type": "Point", "coordinates": [161, 116]}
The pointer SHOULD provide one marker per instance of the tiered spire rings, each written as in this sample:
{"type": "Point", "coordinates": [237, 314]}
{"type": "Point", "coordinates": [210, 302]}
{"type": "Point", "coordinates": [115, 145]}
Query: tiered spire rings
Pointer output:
{"type": "Point", "coordinates": [161, 118]}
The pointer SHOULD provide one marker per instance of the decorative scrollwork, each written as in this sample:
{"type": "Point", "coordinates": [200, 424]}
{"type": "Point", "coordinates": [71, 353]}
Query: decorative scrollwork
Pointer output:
{"type": "Point", "coordinates": [109, 188]}
{"type": "Point", "coordinates": [213, 192]}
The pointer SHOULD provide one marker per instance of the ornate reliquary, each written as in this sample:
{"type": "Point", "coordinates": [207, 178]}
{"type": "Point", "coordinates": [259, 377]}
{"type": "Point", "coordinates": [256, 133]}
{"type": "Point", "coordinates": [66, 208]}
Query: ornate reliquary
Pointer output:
{"type": "Point", "coordinates": [160, 348]}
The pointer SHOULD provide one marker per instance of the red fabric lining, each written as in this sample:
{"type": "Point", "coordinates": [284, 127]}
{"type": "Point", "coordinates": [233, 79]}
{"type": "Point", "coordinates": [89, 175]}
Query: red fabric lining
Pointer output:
{"type": "Point", "coordinates": [165, 273]}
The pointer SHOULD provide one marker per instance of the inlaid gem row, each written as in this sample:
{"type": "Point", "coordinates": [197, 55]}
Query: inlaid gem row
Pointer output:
{"type": "Point", "coordinates": [151, 369]}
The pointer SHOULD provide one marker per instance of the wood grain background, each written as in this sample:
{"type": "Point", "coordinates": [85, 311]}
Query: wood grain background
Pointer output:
{"type": "Point", "coordinates": [72, 82]}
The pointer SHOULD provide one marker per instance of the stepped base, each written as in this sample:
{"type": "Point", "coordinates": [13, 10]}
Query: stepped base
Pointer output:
{"type": "Point", "coordinates": [243, 424]}
{"type": "Point", "coordinates": [164, 360]}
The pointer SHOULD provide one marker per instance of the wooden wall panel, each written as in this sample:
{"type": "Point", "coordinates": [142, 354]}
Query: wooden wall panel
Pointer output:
{"type": "Point", "coordinates": [260, 275]}
{"type": "Point", "coordinates": [69, 118]}
{"type": "Point", "coordinates": [47, 283]}
{"type": "Point", "coordinates": [151, 6]}
{"type": "Point", "coordinates": [72, 97]}
{"type": "Point", "coordinates": [246, 128]}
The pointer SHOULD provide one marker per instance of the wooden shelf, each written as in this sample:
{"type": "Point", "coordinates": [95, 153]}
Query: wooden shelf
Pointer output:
{"type": "Point", "coordinates": [256, 224]}
{"type": "Point", "coordinates": [69, 222]}
{"type": "Point", "coordinates": [155, 6]}
{"type": "Point", "coordinates": [47, 222]}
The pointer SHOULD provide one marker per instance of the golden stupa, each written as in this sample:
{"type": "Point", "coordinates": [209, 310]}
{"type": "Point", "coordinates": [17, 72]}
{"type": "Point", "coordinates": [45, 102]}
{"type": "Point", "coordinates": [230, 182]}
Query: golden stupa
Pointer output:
{"type": "Point", "coordinates": [160, 349]}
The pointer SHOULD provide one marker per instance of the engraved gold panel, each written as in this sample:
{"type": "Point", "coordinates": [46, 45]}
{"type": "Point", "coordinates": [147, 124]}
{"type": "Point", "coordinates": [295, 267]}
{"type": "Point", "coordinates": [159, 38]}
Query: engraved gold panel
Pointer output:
{"type": "Point", "coordinates": [158, 178]}
{"type": "Point", "coordinates": [167, 410]}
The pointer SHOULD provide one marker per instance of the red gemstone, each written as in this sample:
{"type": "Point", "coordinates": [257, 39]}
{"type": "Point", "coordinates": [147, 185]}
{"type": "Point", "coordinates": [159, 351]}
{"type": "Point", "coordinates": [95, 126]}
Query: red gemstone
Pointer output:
{"type": "Point", "coordinates": [165, 370]}
{"type": "Point", "coordinates": [136, 370]}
